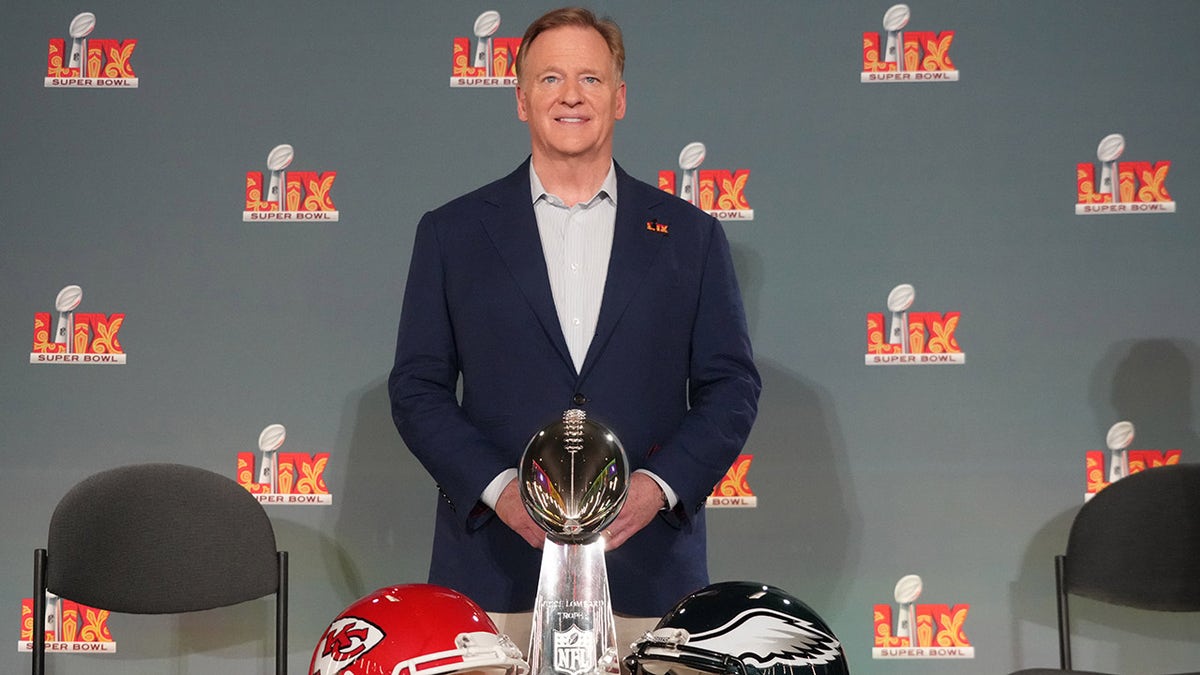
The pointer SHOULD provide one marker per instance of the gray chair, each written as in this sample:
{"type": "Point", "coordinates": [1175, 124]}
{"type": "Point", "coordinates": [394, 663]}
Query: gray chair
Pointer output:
{"type": "Point", "coordinates": [1149, 522]}
{"type": "Point", "coordinates": [159, 539]}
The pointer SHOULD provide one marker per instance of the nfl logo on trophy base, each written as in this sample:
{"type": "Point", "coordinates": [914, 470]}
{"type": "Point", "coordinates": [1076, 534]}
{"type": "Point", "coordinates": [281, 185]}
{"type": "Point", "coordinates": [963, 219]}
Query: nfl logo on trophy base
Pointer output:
{"type": "Point", "coordinates": [573, 478]}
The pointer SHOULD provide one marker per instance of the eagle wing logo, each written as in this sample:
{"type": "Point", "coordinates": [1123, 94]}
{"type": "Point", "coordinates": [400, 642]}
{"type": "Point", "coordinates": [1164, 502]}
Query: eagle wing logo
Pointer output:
{"type": "Point", "coordinates": [765, 638]}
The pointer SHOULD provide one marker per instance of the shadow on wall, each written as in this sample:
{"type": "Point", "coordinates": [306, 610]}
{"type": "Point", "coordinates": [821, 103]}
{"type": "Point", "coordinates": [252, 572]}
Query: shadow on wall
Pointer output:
{"type": "Point", "coordinates": [799, 537]}
{"type": "Point", "coordinates": [1149, 383]}
{"type": "Point", "coordinates": [384, 529]}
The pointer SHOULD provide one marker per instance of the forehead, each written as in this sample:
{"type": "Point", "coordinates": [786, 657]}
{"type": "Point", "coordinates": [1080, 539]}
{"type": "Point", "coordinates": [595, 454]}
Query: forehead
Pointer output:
{"type": "Point", "coordinates": [565, 46]}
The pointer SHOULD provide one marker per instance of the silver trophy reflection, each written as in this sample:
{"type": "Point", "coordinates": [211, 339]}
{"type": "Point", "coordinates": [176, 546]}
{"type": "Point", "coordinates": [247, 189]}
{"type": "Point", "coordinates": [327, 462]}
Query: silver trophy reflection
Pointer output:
{"type": "Point", "coordinates": [54, 622]}
{"type": "Point", "coordinates": [81, 26]}
{"type": "Point", "coordinates": [1109, 150]}
{"type": "Point", "coordinates": [486, 25]}
{"type": "Point", "coordinates": [270, 440]}
{"type": "Point", "coordinates": [895, 19]}
{"type": "Point", "coordinates": [573, 479]}
{"type": "Point", "coordinates": [690, 159]}
{"type": "Point", "coordinates": [899, 300]}
{"type": "Point", "coordinates": [908, 589]}
{"type": "Point", "coordinates": [277, 160]}
{"type": "Point", "coordinates": [1118, 440]}
{"type": "Point", "coordinates": [65, 303]}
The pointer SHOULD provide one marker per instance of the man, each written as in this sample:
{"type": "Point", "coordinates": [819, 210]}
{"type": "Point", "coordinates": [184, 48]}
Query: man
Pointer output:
{"type": "Point", "coordinates": [570, 284]}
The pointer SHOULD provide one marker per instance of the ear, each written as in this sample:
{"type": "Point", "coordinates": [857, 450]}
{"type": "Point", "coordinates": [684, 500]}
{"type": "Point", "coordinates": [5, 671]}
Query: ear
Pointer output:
{"type": "Point", "coordinates": [522, 112]}
{"type": "Point", "coordinates": [620, 112]}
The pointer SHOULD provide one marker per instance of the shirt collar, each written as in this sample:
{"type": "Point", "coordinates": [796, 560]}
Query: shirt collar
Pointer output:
{"type": "Point", "coordinates": [608, 189]}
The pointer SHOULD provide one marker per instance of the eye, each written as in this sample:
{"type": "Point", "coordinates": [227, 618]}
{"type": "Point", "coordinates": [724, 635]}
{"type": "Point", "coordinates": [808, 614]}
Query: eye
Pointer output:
{"type": "Point", "coordinates": [591, 79]}
{"type": "Point", "coordinates": [550, 79]}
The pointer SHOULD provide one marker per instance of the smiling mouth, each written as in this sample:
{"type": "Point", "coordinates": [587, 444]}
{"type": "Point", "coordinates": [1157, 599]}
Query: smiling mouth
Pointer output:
{"type": "Point", "coordinates": [571, 120]}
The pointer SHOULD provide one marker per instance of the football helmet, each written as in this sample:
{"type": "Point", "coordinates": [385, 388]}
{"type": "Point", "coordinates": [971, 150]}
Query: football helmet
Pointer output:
{"type": "Point", "coordinates": [739, 628]}
{"type": "Point", "coordinates": [414, 629]}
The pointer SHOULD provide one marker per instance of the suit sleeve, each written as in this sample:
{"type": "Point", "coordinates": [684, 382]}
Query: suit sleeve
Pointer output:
{"type": "Point", "coordinates": [723, 387]}
{"type": "Point", "coordinates": [423, 384]}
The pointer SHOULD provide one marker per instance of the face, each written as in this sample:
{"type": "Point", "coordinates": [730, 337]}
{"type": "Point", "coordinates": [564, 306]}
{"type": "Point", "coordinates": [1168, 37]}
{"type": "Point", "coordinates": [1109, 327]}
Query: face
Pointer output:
{"type": "Point", "coordinates": [570, 95]}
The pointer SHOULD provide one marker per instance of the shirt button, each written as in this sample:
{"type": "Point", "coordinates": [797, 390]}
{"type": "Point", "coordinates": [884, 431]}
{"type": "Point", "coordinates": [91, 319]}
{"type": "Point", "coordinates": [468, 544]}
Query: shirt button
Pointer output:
{"type": "Point", "coordinates": [576, 321]}
{"type": "Point", "coordinates": [579, 399]}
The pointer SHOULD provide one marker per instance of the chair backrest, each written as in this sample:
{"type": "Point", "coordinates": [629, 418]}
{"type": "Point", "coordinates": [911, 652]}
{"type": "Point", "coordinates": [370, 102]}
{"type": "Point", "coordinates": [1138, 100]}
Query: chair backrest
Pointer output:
{"type": "Point", "coordinates": [1148, 522]}
{"type": "Point", "coordinates": [160, 538]}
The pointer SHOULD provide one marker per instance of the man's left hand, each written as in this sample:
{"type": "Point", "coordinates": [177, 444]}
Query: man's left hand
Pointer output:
{"type": "Point", "coordinates": [643, 501]}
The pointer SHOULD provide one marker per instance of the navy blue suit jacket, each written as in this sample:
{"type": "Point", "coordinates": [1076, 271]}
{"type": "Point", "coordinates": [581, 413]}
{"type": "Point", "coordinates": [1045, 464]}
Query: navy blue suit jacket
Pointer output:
{"type": "Point", "coordinates": [669, 370]}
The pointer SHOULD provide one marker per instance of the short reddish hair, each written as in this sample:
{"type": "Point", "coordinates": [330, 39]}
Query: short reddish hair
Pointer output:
{"type": "Point", "coordinates": [581, 18]}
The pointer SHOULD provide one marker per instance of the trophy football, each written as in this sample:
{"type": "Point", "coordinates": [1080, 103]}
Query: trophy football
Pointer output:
{"type": "Point", "coordinates": [573, 479]}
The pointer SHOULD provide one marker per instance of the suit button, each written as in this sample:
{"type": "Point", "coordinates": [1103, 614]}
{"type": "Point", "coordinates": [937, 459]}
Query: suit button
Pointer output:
{"type": "Point", "coordinates": [579, 399]}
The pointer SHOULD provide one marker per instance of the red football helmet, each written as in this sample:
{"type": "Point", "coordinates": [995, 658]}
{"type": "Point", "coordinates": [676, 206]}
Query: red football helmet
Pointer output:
{"type": "Point", "coordinates": [414, 629]}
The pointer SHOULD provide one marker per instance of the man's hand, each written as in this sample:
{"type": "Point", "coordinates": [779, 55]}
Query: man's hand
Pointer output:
{"type": "Point", "coordinates": [644, 500]}
{"type": "Point", "coordinates": [512, 512]}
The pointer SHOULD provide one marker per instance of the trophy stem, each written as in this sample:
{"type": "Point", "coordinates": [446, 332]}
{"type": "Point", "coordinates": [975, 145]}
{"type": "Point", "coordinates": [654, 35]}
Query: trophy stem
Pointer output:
{"type": "Point", "coordinates": [573, 631]}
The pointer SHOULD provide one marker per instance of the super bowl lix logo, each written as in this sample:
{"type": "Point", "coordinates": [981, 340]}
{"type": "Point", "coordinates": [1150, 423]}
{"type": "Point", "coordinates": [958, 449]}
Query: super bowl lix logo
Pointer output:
{"type": "Point", "coordinates": [93, 63]}
{"type": "Point", "coordinates": [1124, 187]}
{"type": "Point", "coordinates": [908, 56]}
{"type": "Point", "coordinates": [1122, 460]}
{"type": "Point", "coordinates": [70, 627]}
{"type": "Point", "coordinates": [288, 195]}
{"type": "Point", "coordinates": [492, 62]}
{"type": "Point", "coordinates": [733, 491]}
{"type": "Point", "coordinates": [720, 193]}
{"type": "Point", "coordinates": [79, 338]}
{"type": "Point", "coordinates": [913, 338]}
{"type": "Point", "coordinates": [921, 631]}
{"type": "Point", "coordinates": [284, 477]}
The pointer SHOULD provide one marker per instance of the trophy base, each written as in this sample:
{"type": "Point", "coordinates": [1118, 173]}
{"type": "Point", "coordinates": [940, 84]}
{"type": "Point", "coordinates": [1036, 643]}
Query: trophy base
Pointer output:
{"type": "Point", "coordinates": [573, 631]}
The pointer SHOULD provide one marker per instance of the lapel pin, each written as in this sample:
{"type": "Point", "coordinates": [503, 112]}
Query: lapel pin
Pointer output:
{"type": "Point", "coordinates": [653, 225]}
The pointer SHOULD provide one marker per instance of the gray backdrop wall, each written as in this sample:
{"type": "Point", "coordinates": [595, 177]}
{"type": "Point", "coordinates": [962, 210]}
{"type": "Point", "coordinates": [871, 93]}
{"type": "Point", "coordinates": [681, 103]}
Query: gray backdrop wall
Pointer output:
{"type": "Point", "coordinates": [967, 475]}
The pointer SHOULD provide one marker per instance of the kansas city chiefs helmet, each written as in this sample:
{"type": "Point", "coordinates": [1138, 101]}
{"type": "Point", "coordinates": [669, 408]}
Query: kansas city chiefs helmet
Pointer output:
{"type": "Point", "coordinates": [414, 629]}
{"type": "Point", "coordinates": [739, 628]}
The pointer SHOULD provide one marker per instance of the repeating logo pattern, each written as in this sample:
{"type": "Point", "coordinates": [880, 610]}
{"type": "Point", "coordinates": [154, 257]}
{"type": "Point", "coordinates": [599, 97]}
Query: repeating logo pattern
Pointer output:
{"type": "Point", "coordinates": [734, 491]}
{"type": "Point", "coordinates": [921, 631]}
{"type": "Point", "coordinates": [1122, 460]}
{"type": "Point", "coordinates": [70, 627]}
{"type": "Point", "coordinates": [905, 630]}
{"type": "Point", "coordinates": [95, 63]}
{"type": "Point", "coordinates": [719, 192]}
{"type": "Point", "coordinates": [907, 56]}
{"type": "Point", "coordinates": [292, 478]}
{"type": "Point", "coordinates": [913, 338]}
{"type": "Point", "coordinates": [78, 338]}
{"type": "Point", "coordinates": [1124, 187]}
{"type": "Point", "coordinates": [492, 62]}
{"type": "Point", "coordinates": [288, 196]}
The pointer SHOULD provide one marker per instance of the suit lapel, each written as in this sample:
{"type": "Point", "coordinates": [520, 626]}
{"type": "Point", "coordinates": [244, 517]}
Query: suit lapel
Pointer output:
{"type": "Point", "coordinates": [633, 251]}
{"type": "Point", "coordinates": [512, 227]}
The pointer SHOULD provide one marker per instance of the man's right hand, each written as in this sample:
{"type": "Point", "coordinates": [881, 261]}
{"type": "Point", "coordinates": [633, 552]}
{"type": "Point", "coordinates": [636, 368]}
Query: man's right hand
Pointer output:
{"type": "Point", "coordinates": [512, 512]}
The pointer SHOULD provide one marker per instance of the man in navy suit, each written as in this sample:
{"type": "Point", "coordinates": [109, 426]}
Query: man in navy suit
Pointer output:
{"type": "Point", "coordinates": [570, 284]}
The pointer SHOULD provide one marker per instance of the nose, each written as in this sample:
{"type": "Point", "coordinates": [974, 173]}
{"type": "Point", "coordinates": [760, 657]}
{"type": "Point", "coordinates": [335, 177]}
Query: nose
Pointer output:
{"type": "Point", "coordinates": [569, 94]}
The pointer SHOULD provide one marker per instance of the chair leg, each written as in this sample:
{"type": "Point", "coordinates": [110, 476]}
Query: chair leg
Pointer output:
{"type": "Point", "coordinates": [39, 611]}
{"type": "Point", "coordinates": [1064, 614]}
{"type": "Point", "coordinates": [281, 616]}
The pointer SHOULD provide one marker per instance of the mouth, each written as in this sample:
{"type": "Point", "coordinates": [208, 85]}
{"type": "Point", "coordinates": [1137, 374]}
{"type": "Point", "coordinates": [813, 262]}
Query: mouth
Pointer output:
{"type": "Point", "coordinates": [571, 120]}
